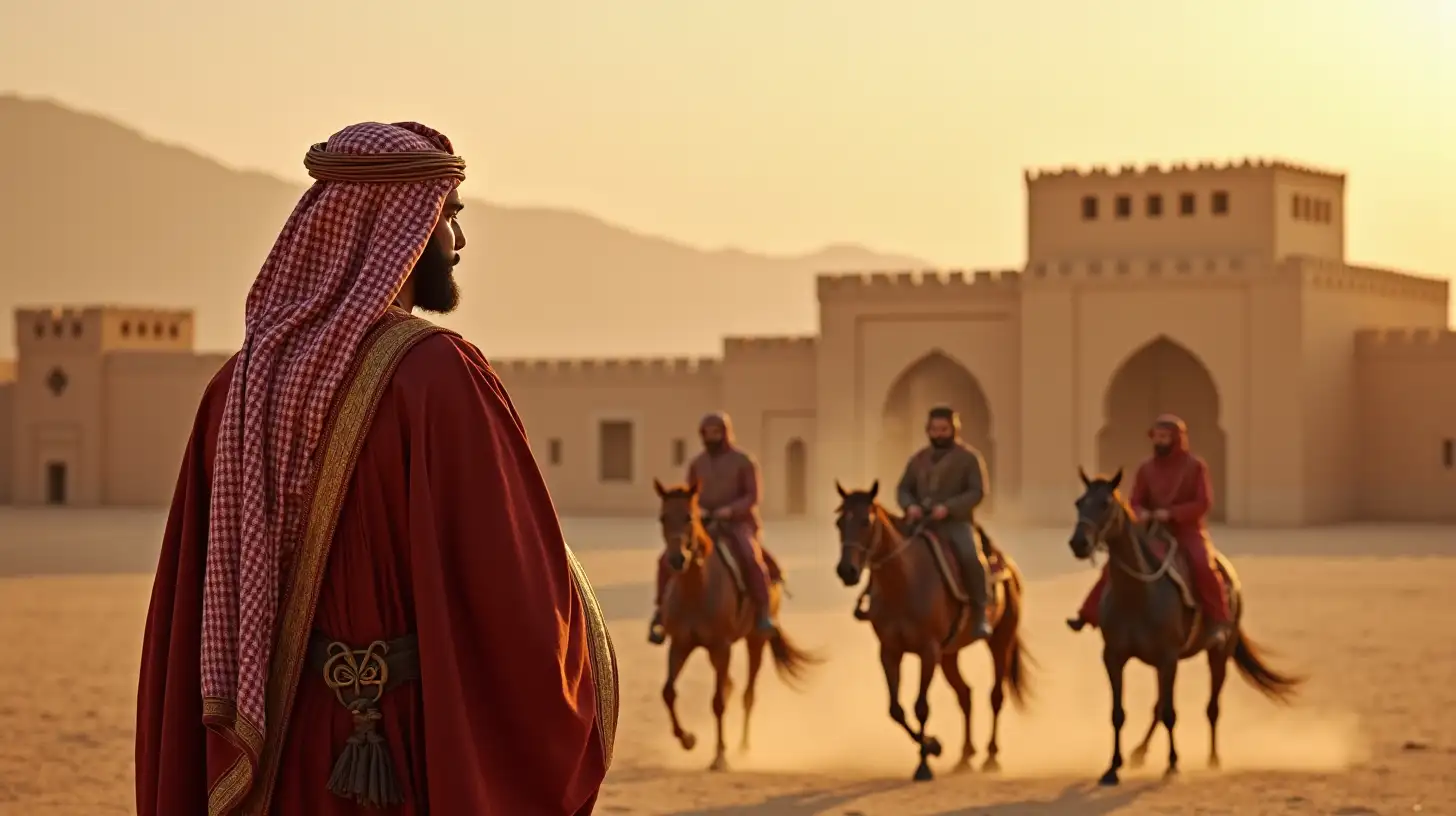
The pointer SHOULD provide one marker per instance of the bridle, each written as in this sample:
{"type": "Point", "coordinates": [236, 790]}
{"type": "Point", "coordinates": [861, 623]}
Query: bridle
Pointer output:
{"type": "Point", "coordinates": [866, 549]}
{"type": "Point", "coordinates": [688, 540]}
{"type": "Point", "coordinates": [1098, 531]}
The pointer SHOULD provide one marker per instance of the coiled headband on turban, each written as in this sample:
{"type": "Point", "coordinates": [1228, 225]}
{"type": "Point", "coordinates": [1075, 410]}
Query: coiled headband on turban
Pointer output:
{"type": "Point", "coordinates": [382, 168]}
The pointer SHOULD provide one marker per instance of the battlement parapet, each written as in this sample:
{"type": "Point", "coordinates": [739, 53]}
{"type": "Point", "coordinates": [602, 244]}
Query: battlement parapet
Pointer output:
{"type": "Point", "coordinates": [626, 371]}
{"type": "Point", "coordinates": [1406, 344]}
{"type": "Point", "coordinates": [771, 346]}
{"type": "Point", "coordinates": [1182, 168]}
{"type": "Point", "coordinates": [929, 283]}
{"type": "Point", "coordinates": [1127, 269]}
{"type": "Point", "coordinates": [1323, 273]}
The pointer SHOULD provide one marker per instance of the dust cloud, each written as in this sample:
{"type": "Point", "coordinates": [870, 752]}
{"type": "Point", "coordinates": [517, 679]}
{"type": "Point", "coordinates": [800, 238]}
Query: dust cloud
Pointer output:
{"type": "Point", "coordinates": [839, 723]}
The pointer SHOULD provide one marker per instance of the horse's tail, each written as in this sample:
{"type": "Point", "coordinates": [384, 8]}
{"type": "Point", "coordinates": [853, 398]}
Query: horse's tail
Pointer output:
{"type": "Point", "coordinates": [791, 662]}
{"type": "Point", "coordinates": [1273, 684]}
{"type": "Point", "coordinates": [1020, 662]}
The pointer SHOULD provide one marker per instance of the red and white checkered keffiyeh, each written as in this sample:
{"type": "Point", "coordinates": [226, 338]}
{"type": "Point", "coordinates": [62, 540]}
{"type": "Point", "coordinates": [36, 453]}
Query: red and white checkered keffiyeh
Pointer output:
{"type": "Point", "coordinates": [338, 264]}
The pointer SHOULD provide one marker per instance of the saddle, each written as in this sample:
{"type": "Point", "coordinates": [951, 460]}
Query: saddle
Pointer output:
{"type": "Point", "coordinates": [730, 561]}
{"type": "Point", "coordinates": [949, 564]}
{"type": "Point", "coordinates": [1161, 542]}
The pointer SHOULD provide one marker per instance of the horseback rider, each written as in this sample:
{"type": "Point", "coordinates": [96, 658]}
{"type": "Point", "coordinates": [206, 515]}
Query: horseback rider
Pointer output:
{"type": "Point", "coordinates": [1172, 488]}
{"type": "Point", "coordinates": [947, 479]}
{"type": "Point", "coordinates": [728, 493]}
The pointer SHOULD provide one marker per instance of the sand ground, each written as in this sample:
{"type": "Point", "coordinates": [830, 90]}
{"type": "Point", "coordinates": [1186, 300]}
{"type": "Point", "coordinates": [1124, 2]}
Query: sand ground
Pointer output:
{"type": "Point", "coordinates": [1368, 612]}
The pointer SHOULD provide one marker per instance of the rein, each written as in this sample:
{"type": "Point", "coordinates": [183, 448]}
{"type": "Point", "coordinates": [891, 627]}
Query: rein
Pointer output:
{"type": "Point", "coordinates": [877, 536]}
{"type": "Point", "coordinates": [1141, 571]}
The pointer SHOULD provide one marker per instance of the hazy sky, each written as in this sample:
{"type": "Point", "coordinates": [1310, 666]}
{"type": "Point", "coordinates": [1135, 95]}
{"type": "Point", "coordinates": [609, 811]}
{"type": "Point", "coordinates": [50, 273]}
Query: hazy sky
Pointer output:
{"type": "Point", "coordinates": [780, 125]}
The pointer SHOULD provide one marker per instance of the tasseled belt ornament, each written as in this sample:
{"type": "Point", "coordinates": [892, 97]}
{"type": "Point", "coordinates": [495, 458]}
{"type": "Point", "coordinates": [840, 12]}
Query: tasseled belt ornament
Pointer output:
{"type": "Point", "coordinates": [359, 678]}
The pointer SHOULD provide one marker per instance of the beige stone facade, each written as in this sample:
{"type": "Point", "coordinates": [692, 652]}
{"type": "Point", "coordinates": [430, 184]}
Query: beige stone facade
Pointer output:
{"type": "Point", "coordinates": [1319, 391]}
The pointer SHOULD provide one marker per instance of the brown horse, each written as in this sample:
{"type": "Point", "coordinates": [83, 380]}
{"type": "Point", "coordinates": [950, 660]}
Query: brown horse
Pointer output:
{"type": "Point", "coordinates": [914, 611]}
{"type": "Point", "coordinates": [1145, 616]}
{"type": "Point", "coordinates": [705, 606]}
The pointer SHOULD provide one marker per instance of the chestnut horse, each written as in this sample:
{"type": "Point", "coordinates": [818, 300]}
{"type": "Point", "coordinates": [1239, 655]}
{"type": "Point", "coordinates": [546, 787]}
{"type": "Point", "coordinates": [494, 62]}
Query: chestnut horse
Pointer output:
{"type": "Point", "coordinates": [703, 606]}
{"type": "Point", "coordinates": [1144, 616]}
{"type": "Point", "coordinates": [913, 611]}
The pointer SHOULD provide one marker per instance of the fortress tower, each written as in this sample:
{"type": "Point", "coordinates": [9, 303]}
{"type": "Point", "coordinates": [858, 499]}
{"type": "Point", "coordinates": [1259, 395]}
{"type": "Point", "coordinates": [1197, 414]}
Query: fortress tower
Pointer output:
{"type": "Point", "coordinates": [1249, 209]}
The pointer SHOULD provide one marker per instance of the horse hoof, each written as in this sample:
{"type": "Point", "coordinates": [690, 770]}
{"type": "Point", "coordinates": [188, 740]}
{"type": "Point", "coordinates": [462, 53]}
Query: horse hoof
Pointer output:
{"type": "Point", "coordinates": [991, 765]}
{"type": "Point", "coordinates": [719, 764]}
{"type": "Point", "coordinates": [1214, 764]}
{"type": "Point", "coordinates": [964, 766]}
{"type": "Point", "coordinates": [1137, 759]}
{"type": "Point", "coordinates": [1108, 779]}
{"type": "Point", "coordinates": [932, 747]}
{"type": "Point", "coordinates": [1171, 772]}
{"type": "Point", "coordinates": [688, 742]}
{"type": "Point", "coordinates": [923, 774]}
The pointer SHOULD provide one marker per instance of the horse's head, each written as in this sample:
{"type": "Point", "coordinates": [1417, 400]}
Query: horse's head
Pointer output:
{"type": "Point", "coordinates": [1099, 511]}
{"type": "Point", "coordinates": [858, 514]}
{"type": "Point", "coordinates": [679, 517]}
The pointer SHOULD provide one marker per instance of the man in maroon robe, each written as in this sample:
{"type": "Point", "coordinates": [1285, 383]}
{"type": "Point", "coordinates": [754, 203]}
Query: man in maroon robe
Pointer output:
{"type": "Point", "coordinates": [363, 602]}
{"type": "Point", "coordinates": [729, 490]}
{"type": "Point", "coordinates": [1172, 488]}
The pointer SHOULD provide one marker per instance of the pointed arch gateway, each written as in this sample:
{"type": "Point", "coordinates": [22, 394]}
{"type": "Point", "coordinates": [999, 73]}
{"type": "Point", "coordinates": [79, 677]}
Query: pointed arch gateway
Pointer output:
{"type": "Point", "coordinates": [1163, 376]}
{"type": "Point", "coordinates": [934, 379]}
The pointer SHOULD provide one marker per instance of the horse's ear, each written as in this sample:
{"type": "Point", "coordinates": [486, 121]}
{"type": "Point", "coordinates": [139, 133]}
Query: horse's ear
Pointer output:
{"type": "Point", "coordinates": [875, 489]}
{"type": "Point", "coordinates": [693, 487]}
{"type": "Point", "coordinates": [1086, 482]}
{"type": "Point", "coordinates": [843, 494]}
{"type": "Point", "coordinates": [661, 491]}
{"type": "Point", "coordinates": [1116, 479]}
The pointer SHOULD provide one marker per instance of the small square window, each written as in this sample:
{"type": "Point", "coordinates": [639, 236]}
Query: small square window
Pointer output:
{"type": "Point", "coordinates": [1155, 206]}
{"type": "Point", "coordinates": [1448, 454]}
{"type": "Point", "coordinates": [1089, 208]}
{"type": "Point", "coordinates": [679, 452]}
{"type": "Point", "coordinates": [1122, 205]}
{"type": "Point", "coordinates": [1220, 202]}
{"type": "Point", "coordinates": [1187, 204]}
{"type": "Point", "coordinates": [553, 451]}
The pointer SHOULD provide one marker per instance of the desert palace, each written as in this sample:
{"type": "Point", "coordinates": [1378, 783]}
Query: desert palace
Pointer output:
{"type": "Point", "coordinates": [1319, 391]}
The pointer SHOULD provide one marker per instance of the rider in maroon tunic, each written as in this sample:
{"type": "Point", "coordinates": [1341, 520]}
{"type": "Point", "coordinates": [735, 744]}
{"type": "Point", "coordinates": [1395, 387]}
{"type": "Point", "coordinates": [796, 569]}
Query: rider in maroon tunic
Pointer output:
{"type": "Point", "coordinates": [1172, 488]}
{"type": "Point", "coordinates": [729, 489]}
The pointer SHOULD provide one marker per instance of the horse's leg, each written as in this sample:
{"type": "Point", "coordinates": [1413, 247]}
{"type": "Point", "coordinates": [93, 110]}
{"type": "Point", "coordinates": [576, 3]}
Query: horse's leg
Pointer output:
{"type": "Point", "coordinates": [890, 662]}
{"type": "Point", "coordinates": [755, 643]}
{"type": "Point", "coordinates": [1139, 754]}
{"type": "Point", "coordinates": [720, 655]}
{"type": "Point", "coordinates": [1217, 673]}
{"type": "Point", "coordinates": [1115, 664]}
{"type": "Point", "coordinates": [1167, 679]}
{"type": "Point", "coordinates": [950, 665]}
{"type": "Point", "coordinates": [929, 746]}
{"type": "Point", "coordinates": [677, 657]}
{"type": "Point", "coordinates": [1001, 655]}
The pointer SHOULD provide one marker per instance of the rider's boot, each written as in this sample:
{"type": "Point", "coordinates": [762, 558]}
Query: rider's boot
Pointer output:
{"type": "Point", "coordinates": [656, 635]}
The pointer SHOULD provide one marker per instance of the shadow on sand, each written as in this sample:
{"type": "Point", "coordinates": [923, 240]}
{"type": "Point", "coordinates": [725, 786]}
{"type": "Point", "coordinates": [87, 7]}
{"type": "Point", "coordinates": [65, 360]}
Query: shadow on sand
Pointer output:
{"type": "Point", "coordinates": [1076, 799]}
{"type": "Point", "coordinates": [807, 803]}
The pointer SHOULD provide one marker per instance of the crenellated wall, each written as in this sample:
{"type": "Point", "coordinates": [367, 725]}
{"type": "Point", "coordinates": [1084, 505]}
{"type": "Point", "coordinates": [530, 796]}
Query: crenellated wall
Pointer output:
{"type": "Point", "coordinates": [564, 403]}
{"type": "Point", "coordinates": [907, 286]}
{"type": "Point", "coordinates": [1406, 409]}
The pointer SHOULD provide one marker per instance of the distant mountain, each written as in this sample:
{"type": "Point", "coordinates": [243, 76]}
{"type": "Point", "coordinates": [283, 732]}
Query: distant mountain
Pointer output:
{"type": "Point", "coordinates": [95, 212]}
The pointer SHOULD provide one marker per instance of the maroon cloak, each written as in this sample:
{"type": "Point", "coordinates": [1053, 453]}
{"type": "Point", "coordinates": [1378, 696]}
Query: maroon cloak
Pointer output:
{"type": "Point", "coordinates": [445, 530]}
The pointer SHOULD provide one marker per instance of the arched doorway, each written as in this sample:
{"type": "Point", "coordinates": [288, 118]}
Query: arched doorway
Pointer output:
{"type": "Point", "coordinates": [796, 468]}
{"type": "Point", "coordinates": [934, 379]}
{"type": "Point", "coordinates": [1163, 377]}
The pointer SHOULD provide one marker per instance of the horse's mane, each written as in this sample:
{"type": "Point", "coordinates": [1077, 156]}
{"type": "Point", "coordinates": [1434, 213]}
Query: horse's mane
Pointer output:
{"type": "Point", "coordinates": [1136, 533]}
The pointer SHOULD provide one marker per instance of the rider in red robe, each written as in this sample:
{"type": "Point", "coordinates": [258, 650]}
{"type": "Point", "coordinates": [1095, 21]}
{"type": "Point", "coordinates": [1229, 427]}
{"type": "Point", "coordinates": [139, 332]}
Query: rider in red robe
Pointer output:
{"type": "Point", "coordinates": [1172, 488]}
{"type": "Point", "coordinates": [729, 489]}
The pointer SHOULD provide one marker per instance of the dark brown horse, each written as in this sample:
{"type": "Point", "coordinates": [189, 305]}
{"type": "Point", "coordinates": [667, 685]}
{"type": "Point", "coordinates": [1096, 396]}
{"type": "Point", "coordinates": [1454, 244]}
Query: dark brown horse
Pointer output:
{"type": "Point", "coordinates": [1144, 616]}
{"type": "Point", "coordinates": [705, 606]}
{"type": "Point", "coordinates": [914, 610]}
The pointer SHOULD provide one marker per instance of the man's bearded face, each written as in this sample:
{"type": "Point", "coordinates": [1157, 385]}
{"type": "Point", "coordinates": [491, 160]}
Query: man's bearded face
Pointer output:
{"type": "Point", "coordinates": [1163, 441]}
{"type": "Point", "coordinates": [434, 276]}
{"type": "Point", "coordinates": [941, 432]}
{"type": "Point", "coordinates": [713, 437]}
{"type": "Point", "coordinates": [434, 273]}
